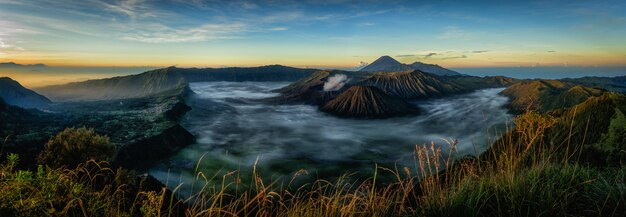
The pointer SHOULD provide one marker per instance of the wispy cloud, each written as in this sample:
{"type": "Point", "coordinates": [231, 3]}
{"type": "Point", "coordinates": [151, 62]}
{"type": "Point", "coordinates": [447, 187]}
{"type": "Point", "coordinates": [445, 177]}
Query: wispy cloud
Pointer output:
{"type": "Point", "coordinates": [205, 32]}
{"type": "Point", "coordinates": [454, 57]}
{"type": "Point", "coordinates": [439, 55]}
{"type": "Point", "coordinates": [132, 8]}
{"type": "Point", "coordinates": [3, 45]}
{"type": "Point", "coordinates": [454, 32]}
{"type": "Point", "coordinates": [471, 18]}
{"type": "Point", "coordinates": [280, 28]}
{"type": "Point", "coordinates": [365, 24]}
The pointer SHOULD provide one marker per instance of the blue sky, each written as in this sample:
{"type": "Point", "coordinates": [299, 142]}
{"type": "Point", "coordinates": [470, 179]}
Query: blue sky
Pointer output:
{"type": "Point", "coordinates": [333, 33]}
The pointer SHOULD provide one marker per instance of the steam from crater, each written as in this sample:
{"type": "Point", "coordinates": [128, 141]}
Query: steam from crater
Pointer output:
{"type": "Point", "coordinates": [335, 82]}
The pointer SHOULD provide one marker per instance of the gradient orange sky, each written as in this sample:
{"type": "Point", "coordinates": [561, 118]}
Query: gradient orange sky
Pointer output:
{"type": "Point", "coordinates": [320, 34]}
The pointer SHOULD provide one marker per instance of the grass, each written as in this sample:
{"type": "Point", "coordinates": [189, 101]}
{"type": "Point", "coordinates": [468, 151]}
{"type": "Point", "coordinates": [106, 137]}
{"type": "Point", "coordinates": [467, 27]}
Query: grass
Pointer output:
{"type": "Point", "coordinates": [520, 175]}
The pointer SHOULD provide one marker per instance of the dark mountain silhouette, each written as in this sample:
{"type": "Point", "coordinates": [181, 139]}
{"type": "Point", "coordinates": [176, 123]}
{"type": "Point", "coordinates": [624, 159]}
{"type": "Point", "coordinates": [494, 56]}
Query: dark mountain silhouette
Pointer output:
{"type": "Point", "coordinates": [16, 65]}
{"type": "Point", "coordinates": [15, 94]}
{"type": "Point", "coordinates": [159, 80]}
{"type": "Point", "coordinates": [367, 102]}
{"type": "Point", "coordinates": [388, 64]}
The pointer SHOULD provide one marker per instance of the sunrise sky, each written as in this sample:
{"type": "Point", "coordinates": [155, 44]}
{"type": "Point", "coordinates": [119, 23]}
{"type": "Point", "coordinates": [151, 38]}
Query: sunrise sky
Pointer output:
{"type": "Point", "coordinates": [323, 34]}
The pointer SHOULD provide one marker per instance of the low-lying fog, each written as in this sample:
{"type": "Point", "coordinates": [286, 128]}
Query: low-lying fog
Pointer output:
{"type": "Point", "coordinates": [233, 128]}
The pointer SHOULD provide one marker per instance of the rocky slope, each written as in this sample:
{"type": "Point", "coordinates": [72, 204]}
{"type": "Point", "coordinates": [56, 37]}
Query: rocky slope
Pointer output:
{"type": "Point", "coordinates": [14, 93]}
{"type": "Point", "coordinates": [367, 102]}
{"type": "Point", "coordinates": [411, 84]}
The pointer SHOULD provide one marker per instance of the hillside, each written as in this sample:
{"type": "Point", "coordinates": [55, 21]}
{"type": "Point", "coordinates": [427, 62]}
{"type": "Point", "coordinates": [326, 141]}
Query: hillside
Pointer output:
{"type": "Point", "coordinates": [388, 64]}
{"type": "Point", "coordinates": [545, 95]}
{"type": "Point", "coordinates": [139, 85]}
{"type": "Point", "coordinates": [134, 125]}
{"type": "Point", "coordinates": [25, 131]}
{"type": "Point", "coordinates": [367, 102]}
{"type": "Point", "coordinates": [14, 93]}
{"type": "Point", "coordinates": [159, 80]}
{"type": "Point", "coordinates": [599, 123]}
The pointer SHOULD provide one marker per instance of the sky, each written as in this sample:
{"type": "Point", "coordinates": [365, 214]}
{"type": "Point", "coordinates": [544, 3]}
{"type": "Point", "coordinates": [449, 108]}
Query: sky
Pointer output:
{"type": "Point", "coordinates": [342, 34]}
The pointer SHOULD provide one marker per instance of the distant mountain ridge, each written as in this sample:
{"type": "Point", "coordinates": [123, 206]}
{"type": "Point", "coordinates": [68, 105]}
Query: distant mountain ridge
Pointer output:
{"type": "Point", "coordinates": [15, 65]}
{"type": "Point", "coordinates": [389, 64]}
{"type": "Point", "coordinates": [13, 93]}
{"type": "Point", "coordinates": [163, 79]}
{"type": "Point", "coordinates": [615, 84]}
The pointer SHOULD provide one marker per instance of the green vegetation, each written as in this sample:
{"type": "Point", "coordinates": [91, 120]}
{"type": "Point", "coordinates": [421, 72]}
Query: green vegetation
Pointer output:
{"type": "Point", "coordinates": [129, 123]}
{"type": "Point", "coordinates": [546, 95]}
{"type": "Point", "coordinates": [599, 124]}
{"type": "Point", "coordinates": [74, 146]}
{"type": "Point", "coordinates": [563, 157]}
{"type": "Point", "coordinates": [90, 189]}
{"type": "Point", "coordinates": [523, 174]}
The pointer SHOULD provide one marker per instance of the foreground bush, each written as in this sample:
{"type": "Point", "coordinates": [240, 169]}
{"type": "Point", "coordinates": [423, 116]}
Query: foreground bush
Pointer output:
{"type": "Point", "coordinates": [90, 189]}
{"type": "Point", "coordinates": [73, 146]}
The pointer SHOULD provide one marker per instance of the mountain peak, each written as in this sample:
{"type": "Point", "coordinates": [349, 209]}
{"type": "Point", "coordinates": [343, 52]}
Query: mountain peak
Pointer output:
{"type": "Point", "coordinates": [389, 64]}
{"type": "Point", "coordinates": [385, 63]}
{"type": "Point", "coordinates": [9, 81]}
{"type": "Point", "coordinates": [387, 60]}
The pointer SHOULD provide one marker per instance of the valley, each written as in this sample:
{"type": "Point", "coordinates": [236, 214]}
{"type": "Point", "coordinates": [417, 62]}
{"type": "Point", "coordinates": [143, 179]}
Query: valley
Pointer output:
{"type": "Point", "coordinates": [296, 126]}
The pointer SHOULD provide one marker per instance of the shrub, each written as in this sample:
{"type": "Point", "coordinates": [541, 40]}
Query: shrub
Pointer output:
{"type": "Point", "coordinates": [73, 146]}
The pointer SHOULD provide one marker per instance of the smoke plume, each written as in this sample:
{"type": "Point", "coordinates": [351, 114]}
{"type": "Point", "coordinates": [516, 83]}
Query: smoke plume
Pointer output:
{"type": "Point", "coordinates": [335, 82]}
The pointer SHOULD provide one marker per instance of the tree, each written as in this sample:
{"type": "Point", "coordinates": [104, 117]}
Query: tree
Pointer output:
{"type": "Point", "coordinates": [73, 146]}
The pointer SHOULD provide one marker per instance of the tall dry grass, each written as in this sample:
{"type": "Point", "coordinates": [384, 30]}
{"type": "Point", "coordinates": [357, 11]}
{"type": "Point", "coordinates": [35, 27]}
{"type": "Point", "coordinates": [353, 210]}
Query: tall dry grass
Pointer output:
{"type": "Point", "coordinates": [520, 175]}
